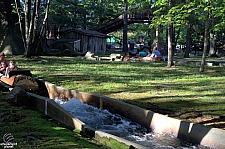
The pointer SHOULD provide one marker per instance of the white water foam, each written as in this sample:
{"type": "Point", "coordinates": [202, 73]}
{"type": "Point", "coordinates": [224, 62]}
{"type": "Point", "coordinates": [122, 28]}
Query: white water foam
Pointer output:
{"type": "Point", "coordinates": [117, 125]}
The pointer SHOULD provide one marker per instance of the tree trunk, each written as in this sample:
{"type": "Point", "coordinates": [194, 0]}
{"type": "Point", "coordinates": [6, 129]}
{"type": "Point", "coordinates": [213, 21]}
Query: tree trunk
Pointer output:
{"type": "Point", "coordinates": [170, 48]}
{"type": "Point", "coordinates": [202, 65]}
{"type": "Point", "coordinates": [42, 31]}
{"type": "Point", "coordinates": [10, 36]}
{"type": "Point", "coordinates": [170, 41]}
{"type": "Point", "coordinates": [27, 4]}
{"type": "Point", "coordinates": [157, 37]}
{"type": "Point", "coordinates": [125, 48]}
{"type": "Point", "coordinates": [212, 49]}
{"type": "Point", "coordinates": [188, 40]}
{"type": "Point", "coordinates": [173, 38]}
{"type": "Point", "coordinates": [31, 25]}
{"type": "Point", "coordinates": [176, 39]}
{"type": "Point", "coordinates": [34, 29]}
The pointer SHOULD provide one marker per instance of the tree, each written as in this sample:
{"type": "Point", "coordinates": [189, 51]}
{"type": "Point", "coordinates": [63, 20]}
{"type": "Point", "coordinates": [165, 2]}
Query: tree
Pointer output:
{"type": "Point", "coordinates": [9, 29]}
{"type": "Point", "coordinates": [163, 17]}
{"type": "Point", "coordinates": [26, 25]}
{"type": "Point", "coordinates": [201, 69]}
{"type": "Point", "coordinates": [125, 48]}
{"type": "Point", "coordinates": [29, 22]}
{"type": "Point", "coordinates": [32, 25]}
{"type": "Point", "coordinates": [84, 14]}
{"type": "Point", "coordinates": [188, 44]}
{"type": "Point", "coordinates": [170, 40]}
{"type": "Point", "coordinates": [211, 13]}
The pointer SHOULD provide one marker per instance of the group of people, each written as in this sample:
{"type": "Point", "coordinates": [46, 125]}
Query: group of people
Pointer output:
{"type": "Point", "coordinates": [6, 66]}
{"type": "Point", "coordinates": [155, 53]}
{"type": "Point", "coordinates": [149, 55]}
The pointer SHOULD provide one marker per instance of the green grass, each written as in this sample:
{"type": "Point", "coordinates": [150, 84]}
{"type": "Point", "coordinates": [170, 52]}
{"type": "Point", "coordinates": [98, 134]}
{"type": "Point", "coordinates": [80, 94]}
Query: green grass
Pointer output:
{"type": "Point", "coordinates": [137, 82]}
{"type": "Point", "coordinates": [181, 92]}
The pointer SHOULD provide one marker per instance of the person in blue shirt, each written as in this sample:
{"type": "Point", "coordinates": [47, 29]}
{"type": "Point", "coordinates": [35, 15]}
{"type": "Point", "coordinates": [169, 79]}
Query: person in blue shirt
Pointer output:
{"type": "Point", "coordinates": [155, 52]}
{"type": "Point", "coordinates": [142, 53]}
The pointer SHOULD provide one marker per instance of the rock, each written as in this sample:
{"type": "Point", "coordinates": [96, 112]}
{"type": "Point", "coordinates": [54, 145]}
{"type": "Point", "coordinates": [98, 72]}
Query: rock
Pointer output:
{"type": "Point", "coordinates": [89, 54]}
{"type": "Point", "coordinates": [8, 50]}
{"type": "Point", "coordinates": [18, 97]}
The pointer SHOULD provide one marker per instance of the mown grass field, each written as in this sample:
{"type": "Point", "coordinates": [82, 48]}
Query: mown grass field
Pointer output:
{"type": "Point", "coordinates": [180, 92]}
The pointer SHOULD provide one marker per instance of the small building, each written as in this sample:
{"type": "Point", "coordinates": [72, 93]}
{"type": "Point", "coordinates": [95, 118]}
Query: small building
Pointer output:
{"type": "Point", "coordinates": [79, 40]}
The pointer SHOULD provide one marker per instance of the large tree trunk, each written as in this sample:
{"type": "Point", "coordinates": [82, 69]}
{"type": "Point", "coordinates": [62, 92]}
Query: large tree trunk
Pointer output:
{"type": "Point", "coordinates": [10, 36]}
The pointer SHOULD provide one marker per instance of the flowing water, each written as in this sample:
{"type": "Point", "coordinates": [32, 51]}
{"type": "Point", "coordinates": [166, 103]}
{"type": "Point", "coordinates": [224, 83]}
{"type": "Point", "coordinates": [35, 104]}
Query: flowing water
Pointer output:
{"type": "Point", "coordinates": [119, 126]}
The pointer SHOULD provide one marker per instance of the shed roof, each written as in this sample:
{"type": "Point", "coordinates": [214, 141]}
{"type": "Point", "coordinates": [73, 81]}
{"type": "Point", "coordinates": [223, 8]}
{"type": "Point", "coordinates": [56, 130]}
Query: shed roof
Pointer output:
{"type": "Point", "coordinates": [85, 32]}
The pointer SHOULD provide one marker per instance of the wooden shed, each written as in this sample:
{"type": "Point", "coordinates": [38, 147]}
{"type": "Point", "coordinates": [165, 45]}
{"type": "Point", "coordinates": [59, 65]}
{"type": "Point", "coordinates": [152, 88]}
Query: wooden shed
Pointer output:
{"type": "Point", "coordinates": [80, 40]}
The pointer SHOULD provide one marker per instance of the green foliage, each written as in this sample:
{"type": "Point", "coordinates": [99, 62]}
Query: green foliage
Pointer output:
{"type": "Point", "coordinates": [86, 14]}
{"type": "Point", "coordinates": [181, 13]}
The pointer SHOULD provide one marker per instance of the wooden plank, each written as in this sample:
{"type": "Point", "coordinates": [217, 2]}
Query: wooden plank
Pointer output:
{"type": "Point", "coordinates": [8, 81]}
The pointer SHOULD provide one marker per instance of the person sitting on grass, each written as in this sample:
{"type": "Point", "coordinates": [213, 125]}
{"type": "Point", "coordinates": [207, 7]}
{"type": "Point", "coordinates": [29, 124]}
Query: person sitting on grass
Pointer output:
{"type": "Point", "coordinates": [154, 56]}
{"type": "Point", "coordinates": [155, 53]}
{"type": "Point", "coordinates": [142, 53]}
{"type": "Point", "coordinates": [11, 66]}
{"type": "Point", "coordinates": [148, 53]}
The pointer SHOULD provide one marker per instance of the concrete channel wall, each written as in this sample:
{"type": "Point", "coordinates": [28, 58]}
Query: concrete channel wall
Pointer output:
{"type": "Point", "coordinates": [158, 123]}
{"type": "Point", "coordinates": [52, 109]}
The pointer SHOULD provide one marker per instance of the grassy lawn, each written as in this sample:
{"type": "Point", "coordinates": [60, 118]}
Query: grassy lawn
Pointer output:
{"type": "Point", "coordinates": [31, 129]}
{"type": "Point", "coordinates": [181, 92]}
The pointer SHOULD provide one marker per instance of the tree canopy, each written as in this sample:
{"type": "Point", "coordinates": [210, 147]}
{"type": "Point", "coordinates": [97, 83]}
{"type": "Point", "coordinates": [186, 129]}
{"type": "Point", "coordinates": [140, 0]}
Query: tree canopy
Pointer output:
{"type": "Point", "coordinates": [186, 17]}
